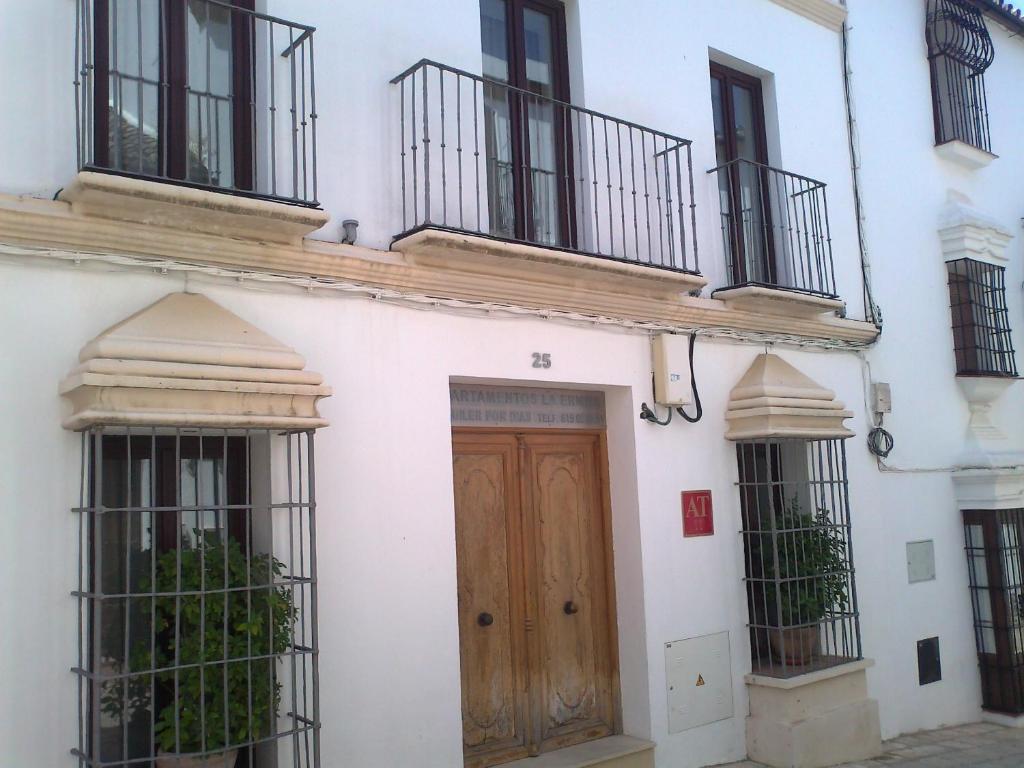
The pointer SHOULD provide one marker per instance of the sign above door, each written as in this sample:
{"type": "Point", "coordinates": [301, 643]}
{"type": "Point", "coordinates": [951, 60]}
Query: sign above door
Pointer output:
{"type": "Point", "coordinates": [476, 405]}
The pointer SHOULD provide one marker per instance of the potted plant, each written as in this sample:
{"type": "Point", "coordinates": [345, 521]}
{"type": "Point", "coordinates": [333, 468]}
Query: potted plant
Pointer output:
{"type": "Point", "coordinates": [223, 633]}
{"type": "Point", "coordinates": [808, 584]}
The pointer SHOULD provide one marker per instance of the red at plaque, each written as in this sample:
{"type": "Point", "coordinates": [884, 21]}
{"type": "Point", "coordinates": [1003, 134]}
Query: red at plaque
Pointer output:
{"type": "Point", "coordinates": [698, 515]}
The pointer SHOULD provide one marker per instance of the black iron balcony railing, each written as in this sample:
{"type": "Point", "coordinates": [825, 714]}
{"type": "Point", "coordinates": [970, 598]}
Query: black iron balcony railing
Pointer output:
{"type": "Point", "coordinates": [482, 157]}
{"type": "Point", "coordinates": [197, 92]}
{"type": "Point", "coordinates": [775, 228]}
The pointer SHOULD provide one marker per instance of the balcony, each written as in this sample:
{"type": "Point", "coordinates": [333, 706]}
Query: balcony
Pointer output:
{"type": "Point", "coordinates": [198, 97]}
{"type": "Point", "coordinates": [482, 163]}
{"type": "Point", "coordinates": [776, 239]}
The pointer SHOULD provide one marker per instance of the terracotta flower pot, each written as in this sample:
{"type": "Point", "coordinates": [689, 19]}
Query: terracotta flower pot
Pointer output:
{"type": "Point", "coordinates": [795, 647]}
{"type": "Point", "coordinates": [221, 760]}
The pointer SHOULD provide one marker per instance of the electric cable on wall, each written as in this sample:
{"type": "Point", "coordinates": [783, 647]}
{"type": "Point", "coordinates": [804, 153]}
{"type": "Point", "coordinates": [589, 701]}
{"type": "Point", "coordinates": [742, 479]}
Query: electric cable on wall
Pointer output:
{"type": "Point", "coordinates": [649, 415]}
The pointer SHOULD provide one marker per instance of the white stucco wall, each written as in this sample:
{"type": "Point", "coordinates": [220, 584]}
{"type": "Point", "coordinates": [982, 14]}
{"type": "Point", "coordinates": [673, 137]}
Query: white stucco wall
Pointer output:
{"type": "Point", "coordinates": [389, 669]}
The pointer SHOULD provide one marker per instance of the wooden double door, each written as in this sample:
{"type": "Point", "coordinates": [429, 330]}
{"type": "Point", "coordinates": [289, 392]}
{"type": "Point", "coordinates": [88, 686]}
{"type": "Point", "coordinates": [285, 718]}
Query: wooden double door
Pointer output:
{"type": "Point", "coordinates": [536, 603]}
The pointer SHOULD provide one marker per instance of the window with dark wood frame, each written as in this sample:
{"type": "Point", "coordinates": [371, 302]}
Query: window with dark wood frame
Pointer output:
{"type": "Point", "coordinates": [982, 341]}
{"type": "Point", "coordinates": [173, 93]}
{"type": "Point", "coordinates": [738, 108]}
{"type": "Point", "coordinates": [994, 540]}
{"type": "Point", "coordinates": [527, 134]}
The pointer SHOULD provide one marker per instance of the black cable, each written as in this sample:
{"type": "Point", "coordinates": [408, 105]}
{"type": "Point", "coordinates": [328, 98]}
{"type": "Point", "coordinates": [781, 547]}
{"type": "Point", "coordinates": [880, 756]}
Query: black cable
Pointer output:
{"type": "Point", "coordinates": [646, 414]}
{"type": "Point", "coordinates": [880, 442]}
{"type": "Point", "coordinates": [693, 385]}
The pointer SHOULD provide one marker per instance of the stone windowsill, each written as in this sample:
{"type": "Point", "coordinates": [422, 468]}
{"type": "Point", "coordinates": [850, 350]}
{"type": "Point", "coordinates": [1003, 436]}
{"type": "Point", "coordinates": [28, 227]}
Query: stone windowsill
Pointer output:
{"type": "Point", "coordinates": [172, 206]}
{"type": "Point", "coordinates": [811, 678]}
{"type": "Point", "coordinates": [965, 155]}
{"type": "Point", "coordinates": [591, 753]}
{"type": "Point", "coordinates": [778, 301]}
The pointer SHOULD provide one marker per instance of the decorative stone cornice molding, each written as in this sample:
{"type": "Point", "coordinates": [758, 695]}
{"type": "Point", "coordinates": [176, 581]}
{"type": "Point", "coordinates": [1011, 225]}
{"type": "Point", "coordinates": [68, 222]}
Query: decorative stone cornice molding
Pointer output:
{"type": "Point", "coordinates": [120, 198]}
{"type": "Point", "coordinates": [828, 13]}
{"type": "Point", "coordinates": [990, 488]}
{"type": "Point", "coordinates": [471, 255]}
{"type": "Point", "coordinates": [774, 399]}
{"type": "Point", "coordinates": [967, 233]}
{"type": "Point", "coordinates": [185, 361]}
{"type": "Point", "coordinates": [53, 224]}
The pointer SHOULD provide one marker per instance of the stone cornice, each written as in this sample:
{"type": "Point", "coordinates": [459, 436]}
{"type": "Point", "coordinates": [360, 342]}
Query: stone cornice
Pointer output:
{"type": "Point", "coordinates": [828, 13]}
{"type": "Point", "coordinates": [53, 224]}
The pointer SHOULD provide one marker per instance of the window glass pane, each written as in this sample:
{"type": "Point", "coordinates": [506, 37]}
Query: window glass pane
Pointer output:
{"type": "Point", "coordinates": [718, 112]}
{"type": "Point", "coordinates": [494, 37]}
{"type": "Point", "coordinates": [978, 563]}
{"type": "Point", "coordinates": [1014, 581]}
{"type": "Point", "coordinates": [543, 169]}
{"type": "Point", "coordinates": [209, 94]}
{"type": "Point", "coordinates": [744, 123]}
{"type": "Point", "coordinates": [134, 72]}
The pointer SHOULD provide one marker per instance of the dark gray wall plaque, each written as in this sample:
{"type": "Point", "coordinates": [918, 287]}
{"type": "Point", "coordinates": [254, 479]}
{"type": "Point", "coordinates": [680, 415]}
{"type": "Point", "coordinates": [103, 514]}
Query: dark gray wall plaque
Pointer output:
{"type": "Point", "coordinates": [526, 407]}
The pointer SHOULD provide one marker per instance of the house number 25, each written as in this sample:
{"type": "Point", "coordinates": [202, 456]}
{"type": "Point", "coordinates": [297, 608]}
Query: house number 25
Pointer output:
{"type": "Point", "coordinates": [541, 359]}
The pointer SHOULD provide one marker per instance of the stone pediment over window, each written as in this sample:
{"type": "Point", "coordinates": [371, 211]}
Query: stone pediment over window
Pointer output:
{"type": "Point", "coordinates": [774, 399]}
{"type": "Point", "coordinates": [967, 233]}
{"type": "Point", "coordinates": [185, 361]}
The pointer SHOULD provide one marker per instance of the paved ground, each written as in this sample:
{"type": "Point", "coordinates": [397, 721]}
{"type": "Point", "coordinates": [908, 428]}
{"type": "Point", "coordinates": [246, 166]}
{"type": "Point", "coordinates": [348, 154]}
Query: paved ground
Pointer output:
{"type": "Point", "coordinates": [978, 745]}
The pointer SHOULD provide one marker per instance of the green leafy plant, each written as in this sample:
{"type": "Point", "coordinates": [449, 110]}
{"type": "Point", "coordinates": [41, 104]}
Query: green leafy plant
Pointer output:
{"type": "Point", "coordinates": [223, 632]}
{"type": "Point", "coordinates": [811, 578]}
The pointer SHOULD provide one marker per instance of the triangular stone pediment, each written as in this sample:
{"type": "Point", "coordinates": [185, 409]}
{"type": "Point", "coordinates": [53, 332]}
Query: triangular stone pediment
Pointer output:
{"type": "Point", "coordinates": [774, 399]}
{"type": "Point", "coordinates": [187, 361]}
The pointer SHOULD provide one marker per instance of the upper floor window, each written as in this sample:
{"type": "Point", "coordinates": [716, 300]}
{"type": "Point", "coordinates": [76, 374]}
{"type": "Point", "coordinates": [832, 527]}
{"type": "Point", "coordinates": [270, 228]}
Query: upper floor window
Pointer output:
{"type": "Point", "coordinates": [775, 229]}
{"type": "Point", "coordinates": [981, 322]}
{"type": "Point", "coordinates": [199, 92]}
{"type": "Point", "coordinates": [526, 139]}
{"type": "Point", "coordinates": [959, 51]}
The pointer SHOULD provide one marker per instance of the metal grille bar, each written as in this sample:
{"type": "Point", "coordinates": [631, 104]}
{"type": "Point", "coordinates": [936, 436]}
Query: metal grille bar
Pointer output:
{"type": "Point", "coordinates": [200, 93]}
{"type": "Point", "coordinates": [554, 174]}
{"type": "Point", "coordinates": [981, 320]}
{"type": "Point", "coordinates": [775, 228]}
{"type": "Point", "coordinates": [197, 599]}
{"type": "Point", "coordinates": [799, 574]}
{"type": "Point", "coordinates": [959, 51]}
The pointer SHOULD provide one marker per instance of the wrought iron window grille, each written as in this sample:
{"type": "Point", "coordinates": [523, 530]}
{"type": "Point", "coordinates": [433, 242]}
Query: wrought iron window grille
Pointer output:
{"type": "Point", "coordinates": [798, 555]}
{"type": "Point", "coordinates": [197, 599]}
{"type": "Point", "coordinates": [203, 93]}
{"type": "Point", "coordinates": [610, 188]}
{"type": "Point", "coordinates": [775, 228]}
{"type": "Point", "coordinates": [959, 51]}
{"type": "Point", "coordinates": [994, 540]}
{"type": "Point", "coordinates": [981, 321]}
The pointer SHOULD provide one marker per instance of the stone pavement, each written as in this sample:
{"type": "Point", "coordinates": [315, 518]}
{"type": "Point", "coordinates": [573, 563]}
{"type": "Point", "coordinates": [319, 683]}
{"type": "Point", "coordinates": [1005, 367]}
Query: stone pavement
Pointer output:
{"type": "Point", "coordinates": [978, 745]}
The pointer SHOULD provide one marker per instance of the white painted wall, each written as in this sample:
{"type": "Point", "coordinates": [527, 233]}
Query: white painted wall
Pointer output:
{"type": "Point", "coordinates": [389, 670]}
{"type": "Point", "coordinates": [905, 186]}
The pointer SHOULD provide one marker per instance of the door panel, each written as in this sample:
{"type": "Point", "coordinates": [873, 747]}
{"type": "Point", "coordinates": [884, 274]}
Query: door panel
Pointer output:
{"type": "Point", "coordinates": [490, 593]}
{"type": "Point", "coordinates": [532, 553]}
{"type": "Point", "coordinates": [564, 512]}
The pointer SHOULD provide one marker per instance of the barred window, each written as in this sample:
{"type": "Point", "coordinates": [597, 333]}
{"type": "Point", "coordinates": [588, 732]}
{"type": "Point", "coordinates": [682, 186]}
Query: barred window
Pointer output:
{"type": "Point", "coordinates": [981, 321]}
{"type": "Point", "coordinates": [959, 51]}
{"type": "Point", "coordinates": [197, 599]}
{"type": "Point", "coordinates": [994, 540]}
{"type": "Point", "coordinates": [801, 597]}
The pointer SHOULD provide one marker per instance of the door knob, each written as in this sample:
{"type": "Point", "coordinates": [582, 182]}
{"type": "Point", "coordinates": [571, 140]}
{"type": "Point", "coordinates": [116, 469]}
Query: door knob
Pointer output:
{"type": "Point", "coordinates": [485, 619]}
{"type": "Point", "coordinates": [570, 608]}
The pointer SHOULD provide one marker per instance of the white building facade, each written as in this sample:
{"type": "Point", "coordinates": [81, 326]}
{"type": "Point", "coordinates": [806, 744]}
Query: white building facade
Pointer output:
{"type": "Point", "coordinates": [341, 338]}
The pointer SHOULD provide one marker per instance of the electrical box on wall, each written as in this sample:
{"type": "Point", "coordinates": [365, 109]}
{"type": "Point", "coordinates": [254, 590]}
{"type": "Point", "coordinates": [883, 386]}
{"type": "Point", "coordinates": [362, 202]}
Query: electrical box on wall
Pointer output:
{"type": "Point", "coordinates": [882, 393]}
{"type": "Point", "coordinates": [671, 369]}
{"type": "Point", "coordinates": [698, 674]}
